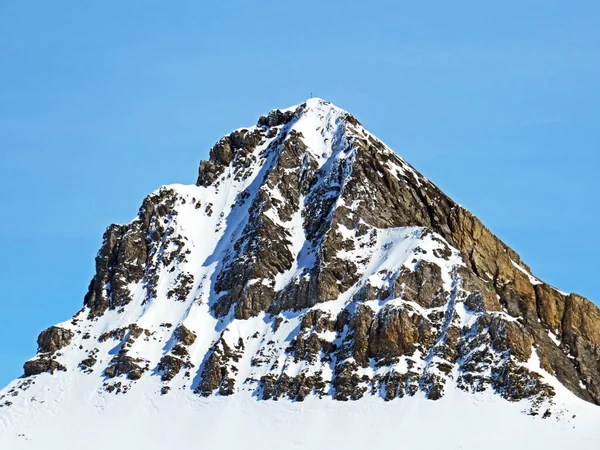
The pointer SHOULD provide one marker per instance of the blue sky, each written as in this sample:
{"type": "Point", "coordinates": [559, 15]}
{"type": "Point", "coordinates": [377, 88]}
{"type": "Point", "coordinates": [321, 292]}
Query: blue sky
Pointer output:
{"type": "Point", "coordinates": [103, 102]}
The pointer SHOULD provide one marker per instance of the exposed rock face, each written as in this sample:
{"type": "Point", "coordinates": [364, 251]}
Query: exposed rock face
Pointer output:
{"type": "Point", "coordinates": [41, 365]}
{"type": "Point", "coordinates": [179, 357]}
{"type": "Point", "coordinates": [123, 364]}
{"type": "Point", "coordinates": [169, 366]}
{"type": "Point", "coordinates": [185, 336]}
{"type": "Point", "coordinates": [128, 250]}
{"type": "Point", "coordinates": [50, 341]}
{"type": "Point", "coordinates": [396, 332]}
{"type": "Point", "coordinates": [311, 260]}
{"type": "Point", "coordinates": [53, 339]}
{"type": "Point", "coordinates": [219, 369]}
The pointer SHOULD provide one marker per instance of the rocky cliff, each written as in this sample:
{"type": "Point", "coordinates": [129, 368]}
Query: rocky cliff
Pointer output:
{"type": "Point", "coordinates": [310, 260]}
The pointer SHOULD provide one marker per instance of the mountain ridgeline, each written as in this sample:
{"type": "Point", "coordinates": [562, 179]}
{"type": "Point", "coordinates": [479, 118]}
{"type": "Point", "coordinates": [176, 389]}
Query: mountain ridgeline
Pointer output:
{"type": "Point", "coordinates": [310, 260]}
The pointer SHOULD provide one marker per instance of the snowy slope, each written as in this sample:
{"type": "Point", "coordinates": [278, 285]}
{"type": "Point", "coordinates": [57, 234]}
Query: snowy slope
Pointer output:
{"type": "Point", "coordinates": [85, 418]}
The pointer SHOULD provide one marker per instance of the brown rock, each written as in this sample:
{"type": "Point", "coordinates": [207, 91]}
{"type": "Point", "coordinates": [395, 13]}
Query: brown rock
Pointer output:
{"type": "Point", "coordinates": [396, 332]}
{"type": "Point", "coordinates": [184, 335]}
{"type": "Point", "coordinates": [42, 365]}
{"type": "Point", "coordinates": [53, 339]}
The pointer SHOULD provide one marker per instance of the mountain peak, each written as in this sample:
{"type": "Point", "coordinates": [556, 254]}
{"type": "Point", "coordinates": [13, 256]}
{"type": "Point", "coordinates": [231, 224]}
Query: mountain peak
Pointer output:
{"type": "Point", "coordinates": [314, 113]}
{"type": "Point", "coordinates": [309, 260]}
{"type": "Point", "coordinates": [322, 130]}
{"type": "Point", "coordinates": [313, 104]}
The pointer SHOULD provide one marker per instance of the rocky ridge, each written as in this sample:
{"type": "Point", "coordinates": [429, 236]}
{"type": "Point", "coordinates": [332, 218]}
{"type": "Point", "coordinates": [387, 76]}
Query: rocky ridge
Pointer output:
{"type": "Point", "coordinates": [309, 259]}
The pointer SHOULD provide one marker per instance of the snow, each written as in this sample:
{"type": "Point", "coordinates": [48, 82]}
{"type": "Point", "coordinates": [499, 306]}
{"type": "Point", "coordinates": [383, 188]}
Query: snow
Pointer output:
{"type": "Point", "coordinates": [142, 419]}
{"type": "Point", "coordinates": [320, 126]}
{"type": "Point", "coordinates": [532, 279]}
{"type": "Point", "coordinates": [393, 248]}
{"type": "Point", "coordinates": [554, 338]}
{"type": "Point", "coordinates": [466, 317]}
{"type": "Point", "coordinates": [304, 258]}
{"type": "Point", "coordinates": [567, 404]}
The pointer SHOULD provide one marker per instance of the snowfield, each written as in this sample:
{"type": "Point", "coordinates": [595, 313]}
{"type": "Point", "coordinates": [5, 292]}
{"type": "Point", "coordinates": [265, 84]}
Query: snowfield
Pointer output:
{"type": "Point", "coordinates": [80, 417]}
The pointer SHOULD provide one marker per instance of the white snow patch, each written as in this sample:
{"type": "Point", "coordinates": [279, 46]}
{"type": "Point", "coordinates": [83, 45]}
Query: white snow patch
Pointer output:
{"type": "Point", "coordinates": [532, 279]}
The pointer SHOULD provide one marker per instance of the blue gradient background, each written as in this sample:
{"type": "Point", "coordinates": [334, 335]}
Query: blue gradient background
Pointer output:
{"type": "Point", "coordinates": [103, 102]}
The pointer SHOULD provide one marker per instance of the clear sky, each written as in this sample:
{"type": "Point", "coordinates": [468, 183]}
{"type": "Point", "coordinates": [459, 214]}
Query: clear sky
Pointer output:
{"type": "Point", "coordinates": [101, 102]}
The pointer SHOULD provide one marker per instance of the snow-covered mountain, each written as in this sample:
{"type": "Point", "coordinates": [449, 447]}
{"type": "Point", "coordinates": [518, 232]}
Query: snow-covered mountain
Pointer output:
{"type": "Point", "coordinates": [310, 265]}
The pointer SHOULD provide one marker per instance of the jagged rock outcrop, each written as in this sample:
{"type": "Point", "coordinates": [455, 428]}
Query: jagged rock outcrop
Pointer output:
{"type": "Point", "coordinates": [53, 339]}
{"type": "Point", "coordinates": [219, 369]}
{"type": "Point", "coordinates": [42, 365]}
{"type": "Point", "coordinates": [128, 250]}
{"type": "Point", "coordinates": [185, 336]}
{"type": "Point", "coordinates": [309, 259]}
{"type": "Point", "coordinates": [123, 364]}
